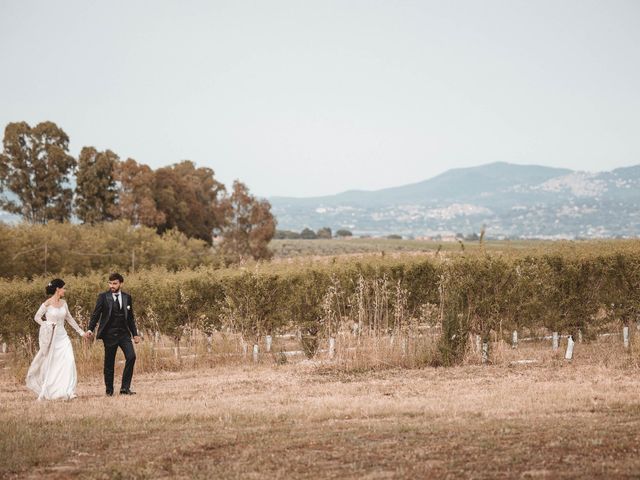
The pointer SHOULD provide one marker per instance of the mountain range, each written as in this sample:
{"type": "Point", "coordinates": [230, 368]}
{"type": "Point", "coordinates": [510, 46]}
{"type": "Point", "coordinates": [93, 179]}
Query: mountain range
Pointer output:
{"type": "Point", "coordinates": [509, 201]}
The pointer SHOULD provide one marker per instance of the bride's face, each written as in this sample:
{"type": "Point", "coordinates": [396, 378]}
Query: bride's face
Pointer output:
{"type": "Point", "coordinates": [60, 292]}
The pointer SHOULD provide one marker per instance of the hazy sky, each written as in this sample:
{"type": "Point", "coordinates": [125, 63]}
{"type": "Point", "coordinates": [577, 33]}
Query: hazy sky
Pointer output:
{"type": "Point", "coordinates": [315, 97]}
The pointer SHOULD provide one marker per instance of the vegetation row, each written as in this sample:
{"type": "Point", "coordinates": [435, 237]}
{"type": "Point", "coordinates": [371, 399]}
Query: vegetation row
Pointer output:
{"type": "Point", "coordinates": [565, 290]}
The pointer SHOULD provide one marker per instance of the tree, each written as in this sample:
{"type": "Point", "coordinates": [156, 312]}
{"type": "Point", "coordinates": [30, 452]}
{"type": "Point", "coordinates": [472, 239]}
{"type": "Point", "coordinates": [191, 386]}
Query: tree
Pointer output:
{"type": "Point", "coordinates": [191, 200]}
{"type": "Point", "coordinates": [136, 201]}
{"type": "Point", "coordinates": [96, 191]}
{"type": "Point", "coordinates": [250, 225]}
{"type": "Point", "coordinates": [286, 235]}
{"type": "Point", "coordinates": [344, 233]}
{"type": "Point", "coordinates": [324, 232]}
{"type": "Point", "coordinates": [35, 168]}
{"type": "Point", "coordinates": [308, 234]}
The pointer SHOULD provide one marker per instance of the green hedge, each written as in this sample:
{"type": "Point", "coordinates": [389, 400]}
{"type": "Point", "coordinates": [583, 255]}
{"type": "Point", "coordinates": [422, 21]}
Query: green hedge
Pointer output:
{"type": "Point", "coordinates": [568, 288]}
{"type": "Point", "coordinates": [71, 249]}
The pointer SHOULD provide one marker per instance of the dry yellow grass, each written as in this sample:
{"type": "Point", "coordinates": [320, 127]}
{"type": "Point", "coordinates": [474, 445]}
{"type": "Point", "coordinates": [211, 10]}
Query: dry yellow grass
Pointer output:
{"type": "Point", "coordinates": [321, 419]}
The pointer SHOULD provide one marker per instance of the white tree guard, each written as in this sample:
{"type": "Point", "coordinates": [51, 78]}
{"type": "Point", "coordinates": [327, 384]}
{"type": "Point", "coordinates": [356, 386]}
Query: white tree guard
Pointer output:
{"type": "Point", "coordinates": [569, 353]}
{"type": "Point", "coordinates": [625, 336]}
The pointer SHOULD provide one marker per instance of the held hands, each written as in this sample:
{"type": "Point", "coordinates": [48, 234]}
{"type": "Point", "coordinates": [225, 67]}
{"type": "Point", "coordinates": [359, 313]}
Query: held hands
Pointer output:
{"type": "Point", "coordinates": [88, 335]}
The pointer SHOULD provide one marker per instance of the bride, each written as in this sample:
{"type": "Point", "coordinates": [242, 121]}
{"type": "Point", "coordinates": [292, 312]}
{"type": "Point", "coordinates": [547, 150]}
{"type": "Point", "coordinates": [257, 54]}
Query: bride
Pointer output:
{"type": "Point", "coordinates": [52, 373]}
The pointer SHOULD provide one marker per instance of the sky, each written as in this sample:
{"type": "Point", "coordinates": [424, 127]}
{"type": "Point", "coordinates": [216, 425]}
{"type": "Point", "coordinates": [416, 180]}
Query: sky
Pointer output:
{"type": "Point", "coordinates": [306, 98]}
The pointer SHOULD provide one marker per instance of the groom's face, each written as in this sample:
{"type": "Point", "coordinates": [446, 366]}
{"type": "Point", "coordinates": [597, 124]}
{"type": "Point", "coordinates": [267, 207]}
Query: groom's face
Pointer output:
{"type": "Point", "coordinates": [114, 286]}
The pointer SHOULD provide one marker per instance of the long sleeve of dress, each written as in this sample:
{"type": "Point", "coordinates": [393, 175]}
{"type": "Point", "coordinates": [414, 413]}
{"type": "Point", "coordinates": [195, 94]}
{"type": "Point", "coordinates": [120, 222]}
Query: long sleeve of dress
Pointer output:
{"type": "Point", "coordinates": [41, 311]}
{"type": "Point", "coordinates": [72, 321]}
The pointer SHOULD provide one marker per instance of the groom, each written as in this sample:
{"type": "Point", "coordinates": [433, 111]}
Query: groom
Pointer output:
{"type": "Point", "coordinates": [114, 311]}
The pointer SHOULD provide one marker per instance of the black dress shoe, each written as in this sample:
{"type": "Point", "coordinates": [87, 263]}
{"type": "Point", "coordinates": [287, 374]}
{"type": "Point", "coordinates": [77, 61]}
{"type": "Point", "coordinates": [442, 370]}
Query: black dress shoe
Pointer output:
{"type": "Point", "coordinates": [109, 394]}
{"type": "Point", "coordinates": [127, 392]}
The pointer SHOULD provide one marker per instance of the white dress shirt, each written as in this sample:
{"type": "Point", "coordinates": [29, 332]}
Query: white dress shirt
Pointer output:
{"type": "Point", "coordinates": [119, 297]}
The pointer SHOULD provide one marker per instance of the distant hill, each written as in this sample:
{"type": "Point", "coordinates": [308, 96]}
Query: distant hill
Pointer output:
{"type": "Point", "coordinates": [510, 200]}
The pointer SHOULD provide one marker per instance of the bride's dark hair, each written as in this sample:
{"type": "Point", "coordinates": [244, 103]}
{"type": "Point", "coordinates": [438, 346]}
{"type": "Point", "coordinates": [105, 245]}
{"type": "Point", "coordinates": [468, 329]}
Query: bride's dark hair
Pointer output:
{"type": "Point", "coordinates": [53, 285]}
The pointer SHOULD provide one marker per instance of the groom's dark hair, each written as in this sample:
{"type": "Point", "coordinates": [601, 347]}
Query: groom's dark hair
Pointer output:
{"type": "Point", "coordinates": [116, 276]}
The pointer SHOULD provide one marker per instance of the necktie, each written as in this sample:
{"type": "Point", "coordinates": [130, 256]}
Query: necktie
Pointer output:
{"type": "Point", "coordinates": [117, 300]}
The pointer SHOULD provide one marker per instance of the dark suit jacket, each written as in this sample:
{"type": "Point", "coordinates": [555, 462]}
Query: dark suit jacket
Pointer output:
{"type": "Point", "coordinates": [102, 313]}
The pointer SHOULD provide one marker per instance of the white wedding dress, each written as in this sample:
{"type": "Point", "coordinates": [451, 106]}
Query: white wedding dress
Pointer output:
{"type": "Point", "coordinates": [52, 373]}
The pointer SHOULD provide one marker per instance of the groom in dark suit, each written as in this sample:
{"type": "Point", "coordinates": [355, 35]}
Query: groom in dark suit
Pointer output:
{"type": "Point", "coordinates": [114, 311]}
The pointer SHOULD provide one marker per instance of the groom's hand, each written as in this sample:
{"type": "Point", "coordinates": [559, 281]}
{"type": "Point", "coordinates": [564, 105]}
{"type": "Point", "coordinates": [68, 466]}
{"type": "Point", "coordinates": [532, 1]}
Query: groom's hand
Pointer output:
{"type": "Point", "coordinates": [136, 339]}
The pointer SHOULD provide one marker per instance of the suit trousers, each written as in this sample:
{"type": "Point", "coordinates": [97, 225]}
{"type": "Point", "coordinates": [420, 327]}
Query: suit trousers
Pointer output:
{"type": "Point", "coordinates": [110, 349]}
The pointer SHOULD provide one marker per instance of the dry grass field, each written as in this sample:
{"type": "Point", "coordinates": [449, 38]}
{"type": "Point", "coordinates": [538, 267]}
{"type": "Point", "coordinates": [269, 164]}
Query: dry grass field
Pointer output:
{"type": "Point", "coordinates": [323, 419]}
{"type": "Point", "coordinates": [351, 246]}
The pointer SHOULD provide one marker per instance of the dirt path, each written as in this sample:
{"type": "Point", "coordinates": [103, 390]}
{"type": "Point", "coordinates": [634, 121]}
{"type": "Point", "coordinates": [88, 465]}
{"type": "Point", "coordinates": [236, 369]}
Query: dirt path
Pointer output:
{"type": "Point", "coordinates": [298, 422]}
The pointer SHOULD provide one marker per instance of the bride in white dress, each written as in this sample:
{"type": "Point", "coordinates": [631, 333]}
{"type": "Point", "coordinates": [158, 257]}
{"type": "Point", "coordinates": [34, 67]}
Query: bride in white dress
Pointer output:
{"type": "Point", "coordinates": [52, 373]}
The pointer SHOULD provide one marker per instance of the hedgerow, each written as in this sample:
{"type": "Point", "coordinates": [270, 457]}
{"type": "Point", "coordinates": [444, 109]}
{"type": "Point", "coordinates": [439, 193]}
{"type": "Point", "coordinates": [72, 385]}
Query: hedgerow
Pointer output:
{"type": "Point", "coordinates": [568, 288]}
